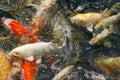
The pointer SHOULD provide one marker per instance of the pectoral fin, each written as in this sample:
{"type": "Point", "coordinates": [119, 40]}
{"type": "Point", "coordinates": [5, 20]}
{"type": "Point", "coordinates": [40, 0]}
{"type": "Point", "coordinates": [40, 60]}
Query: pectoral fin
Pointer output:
{"type": "Point", "coordinates": [31, 58]}
{"type": "Point", "coordinates": [90, 27]}
{"type": "Point", "coordinates": [57, 65]}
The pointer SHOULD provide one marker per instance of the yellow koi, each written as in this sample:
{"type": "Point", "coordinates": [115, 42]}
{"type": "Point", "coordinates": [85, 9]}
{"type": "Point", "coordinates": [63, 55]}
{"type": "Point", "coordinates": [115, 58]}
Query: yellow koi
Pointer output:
{"type": "Point", "coordinates": [5, 66]}
{"type": "Point", "coordinates": [87, 20]}
{"type": "Point", "coordinates": [109, 65]}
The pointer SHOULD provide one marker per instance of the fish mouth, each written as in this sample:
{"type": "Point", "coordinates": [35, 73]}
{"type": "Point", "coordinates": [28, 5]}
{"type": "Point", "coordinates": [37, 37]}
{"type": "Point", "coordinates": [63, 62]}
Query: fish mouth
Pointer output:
{"type": "Point", "coordinates": [3, 20]}
{"type": "Point", "coordinates": [14, 54]}
{"type": "Point", "coordinates": [15, 58]}
{"type": "Point", "coordinates": [73, 20]}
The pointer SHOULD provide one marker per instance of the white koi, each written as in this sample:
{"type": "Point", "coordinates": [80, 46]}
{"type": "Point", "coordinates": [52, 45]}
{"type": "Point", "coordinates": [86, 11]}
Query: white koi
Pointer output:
{"type": "Point", "coordinates": [64, 73]}
{"type": "Point", "coordinates": [110, 20]}
{"type": "Point", "coordinates": [108, 26]}
{"type": "Point", "coordinates": [33, 50]}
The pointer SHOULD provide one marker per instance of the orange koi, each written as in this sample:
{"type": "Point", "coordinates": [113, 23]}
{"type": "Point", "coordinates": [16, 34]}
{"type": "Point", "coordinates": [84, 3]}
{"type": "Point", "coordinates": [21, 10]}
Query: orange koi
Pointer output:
{"type": "Point", "coordinates": [42, 10]}
{"type": "Point", "coordinates": [37, 25]}
{"type": "Point", "coordinates": [16, 28]}
{"type": "Point", "coordinates": [29, 70]}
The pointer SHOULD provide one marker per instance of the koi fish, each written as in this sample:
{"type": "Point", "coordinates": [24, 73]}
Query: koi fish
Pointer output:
{"type": "Point", "coordinates": [39, 19]}
{"type": "Point", "coordinates": [5, 66]}
{"type": "Point", "coordinates": [16, 28]}
{"type": "Point", "coordinates": [29, 70]}
{"type": "Point", "coordinates": [109, 65]}
{"type": "Point", "coordinates": [33, 50]}
{"type": "Point", "coordinates": [108, 25]}
{"type": "Point", "coordinates": [31, 54]}
{"type": "Point", "coordinates": [44, 7]}
{"type": "Point", "coordinates": [64, 73]}
{"type": "Point", "coordinates": [87, 20]}
{"type": "Point", "coordinates": [100, 36]}
{"type": "Point", "coordinates": [110, 20]}
{"type": "Point", "coordinates": [36, 25]}
{"type": "Point", "coordinates": [25, 36]}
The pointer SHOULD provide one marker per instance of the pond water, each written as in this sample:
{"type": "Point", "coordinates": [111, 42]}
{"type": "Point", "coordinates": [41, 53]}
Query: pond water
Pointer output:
{"type": "Point", "coordinates": [78, 51]}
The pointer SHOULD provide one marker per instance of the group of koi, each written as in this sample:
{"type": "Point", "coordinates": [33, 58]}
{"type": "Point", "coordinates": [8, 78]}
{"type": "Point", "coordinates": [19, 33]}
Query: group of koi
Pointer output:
{"type": "Point", "coordinates": [95, 21]}
{"type": "Point", "coordinates": [28, 66]}
{"type": "Point", "coordinates": [25, 58]}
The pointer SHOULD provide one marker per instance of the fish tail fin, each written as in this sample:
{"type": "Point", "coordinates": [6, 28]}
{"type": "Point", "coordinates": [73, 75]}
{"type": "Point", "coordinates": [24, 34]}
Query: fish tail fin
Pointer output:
{"type": "Point", "coordinates": [114, 9]}
{"type": "Point", "coordinates": [57, 65]}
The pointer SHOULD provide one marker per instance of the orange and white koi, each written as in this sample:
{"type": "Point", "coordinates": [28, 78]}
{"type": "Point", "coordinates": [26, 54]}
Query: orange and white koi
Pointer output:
{"type": "Point", "coordinates": [16, 28]}
{"type": "Point", "coordinates": [29, 69]}
{"type": "Point", "coordinates": [37, 25]}
{"type": "Point", "coordinates": [39, 19]}
{"type": "Point", "coordinates": [31, 54]}
{"type": "Point", "coordinates": [25, 36]}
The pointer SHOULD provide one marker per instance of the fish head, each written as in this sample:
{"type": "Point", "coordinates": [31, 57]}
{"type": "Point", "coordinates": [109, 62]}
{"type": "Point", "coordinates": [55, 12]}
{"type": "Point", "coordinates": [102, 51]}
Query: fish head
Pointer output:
{"type": "Point", "coordinates": [15, 53]}
{"type": "Point", "coordinates": [78, 19]}
{"type": "Point", "coordinates": [6, 22]}
{"type": "Point", "coordinates": [18, 54]}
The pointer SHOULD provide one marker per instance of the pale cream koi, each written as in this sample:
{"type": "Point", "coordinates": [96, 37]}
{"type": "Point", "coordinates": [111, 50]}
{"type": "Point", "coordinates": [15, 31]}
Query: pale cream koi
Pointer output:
{"type": "Point", "coordinates": [15, 68]}
{"type": "Point", "coordinates": [63, 73]}
{"type": "Point", "coordinates": [100, 36]}
{"type": "Point", "coordinates": [108, 21]}
{"type": "Point", "coordinates": [30, 51]}
{"type": "Point", "coordinates": [108, 26]}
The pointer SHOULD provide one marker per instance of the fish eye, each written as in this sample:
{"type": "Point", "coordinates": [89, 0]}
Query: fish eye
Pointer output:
{"type": "Point", "coordinates": [16, 53]}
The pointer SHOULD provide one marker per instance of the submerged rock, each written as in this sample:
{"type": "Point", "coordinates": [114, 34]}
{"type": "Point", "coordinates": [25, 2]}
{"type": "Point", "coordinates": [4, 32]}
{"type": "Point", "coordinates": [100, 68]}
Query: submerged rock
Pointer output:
{"type": "Point", "coordinates": [80, 73]}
